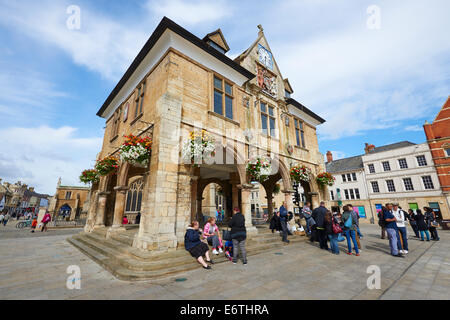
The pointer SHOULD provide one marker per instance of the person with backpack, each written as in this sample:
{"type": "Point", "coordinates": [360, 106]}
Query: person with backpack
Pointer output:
{"type": "Point", "coordinates": [350, 230]}
{"type": "Point", "coordinates": [382, 223]}
{"type": "Point", "coordinates": [333, 230]}
{"type": "Point", "coordinates": [402, 237]}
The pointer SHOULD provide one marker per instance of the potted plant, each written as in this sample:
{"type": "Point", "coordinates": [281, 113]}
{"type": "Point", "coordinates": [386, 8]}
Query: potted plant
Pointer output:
{"type": "Point", "coordinates": [197, 146]}
{"type": "Point", "coordinates": [136, 151]}
{"type": "Point", "coordinates": [107, 165]}
{"type": "Point", "coordinates": [276, 189]}
{"type": "Point", "coordinates": [325, 179]}
{"type": "Point", "coordinates": [89, 176]}
{"type": "Point", "coordinates": [259, 168]}
{"type": "Point", "coordinates": [300, 173]}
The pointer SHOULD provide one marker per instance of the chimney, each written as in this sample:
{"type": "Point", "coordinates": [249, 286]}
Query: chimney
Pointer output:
{"type": "Point", "coordinates": [329, 156]}
{"type": "Point", "coordinates": [31, 189]}
{"type": "Point", "coordinates": [368, 148]}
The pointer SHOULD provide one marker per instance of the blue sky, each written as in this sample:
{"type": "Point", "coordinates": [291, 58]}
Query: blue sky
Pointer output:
{"type": "Point", "coordinates": [376, 86]}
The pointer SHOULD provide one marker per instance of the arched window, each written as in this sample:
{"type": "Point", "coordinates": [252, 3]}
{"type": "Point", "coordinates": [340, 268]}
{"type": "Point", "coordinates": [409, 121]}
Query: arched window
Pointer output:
{"type": "Point", "coordinates": [134, 196]}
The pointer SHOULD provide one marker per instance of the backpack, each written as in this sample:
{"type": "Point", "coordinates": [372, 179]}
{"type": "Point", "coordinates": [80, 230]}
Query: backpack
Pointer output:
{"type": "Point", "coordinates": [348, 224]}
{"type": "Point", "coordinates": [336, 227]}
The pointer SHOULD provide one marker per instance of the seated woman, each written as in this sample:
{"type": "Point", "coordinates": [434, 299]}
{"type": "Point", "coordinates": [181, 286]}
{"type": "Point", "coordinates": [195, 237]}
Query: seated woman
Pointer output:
{"type": "Point", "coordinates": [211, 233]}
{"type": "Point", "coordinates": [195, 246]}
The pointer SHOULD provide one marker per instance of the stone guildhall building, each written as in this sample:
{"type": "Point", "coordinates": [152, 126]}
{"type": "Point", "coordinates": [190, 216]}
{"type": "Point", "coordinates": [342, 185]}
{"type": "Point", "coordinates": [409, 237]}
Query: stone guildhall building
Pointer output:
{"type": "Point", "coordinates": [179, 84]}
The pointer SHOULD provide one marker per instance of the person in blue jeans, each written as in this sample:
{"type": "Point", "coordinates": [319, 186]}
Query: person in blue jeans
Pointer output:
{"type": "Point", "coordinates": [391, 229]}
{"type": "Point", "coordinates": [333, 237]}
{"type": "Point", "coordinates": [402, 237]}
{"type": "Point", "coordinates": [350, 230]}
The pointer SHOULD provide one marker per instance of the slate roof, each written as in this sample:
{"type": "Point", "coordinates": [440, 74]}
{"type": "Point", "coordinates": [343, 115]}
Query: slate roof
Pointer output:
{"type": "Point", "coordinates": [355, 163]}
{"type": "Point", "coordinates": [301, 107]}
{"type": "Point", "coordinates": [346, 164]}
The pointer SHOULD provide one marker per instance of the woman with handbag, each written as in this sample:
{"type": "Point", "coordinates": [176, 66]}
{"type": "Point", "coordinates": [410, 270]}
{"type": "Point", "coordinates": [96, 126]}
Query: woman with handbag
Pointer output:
{"type": "Point", "coordinates": [350, 230]}
{"type": "Point", "coordinates": [332, 229]}
{"type": "Point", "coordinates": [238, 235]}
{"type": "Point", "coordinates": [432, 223]}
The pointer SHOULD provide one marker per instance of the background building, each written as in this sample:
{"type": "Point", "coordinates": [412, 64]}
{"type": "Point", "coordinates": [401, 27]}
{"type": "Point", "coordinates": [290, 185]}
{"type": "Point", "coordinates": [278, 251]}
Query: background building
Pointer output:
{"type": "Point", "coordinates": [401, 172]}
{"type": "Point", "coordinates": [68, 202]}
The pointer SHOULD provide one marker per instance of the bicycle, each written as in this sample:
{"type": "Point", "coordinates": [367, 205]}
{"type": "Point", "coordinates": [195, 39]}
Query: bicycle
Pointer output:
{"type": "Point", "coordinates": [23, 224]}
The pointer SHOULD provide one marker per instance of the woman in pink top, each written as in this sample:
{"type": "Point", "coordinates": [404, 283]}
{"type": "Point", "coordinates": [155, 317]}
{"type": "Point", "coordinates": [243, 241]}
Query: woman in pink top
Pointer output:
{"type": "Point", "coordinates": [45, 220]}
{"type": "Point", "coordinates": [212, 234]}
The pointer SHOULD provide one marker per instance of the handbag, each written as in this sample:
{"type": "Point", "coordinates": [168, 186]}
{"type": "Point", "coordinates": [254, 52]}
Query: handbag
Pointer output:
{"type": "Point", "coordinates": [226, 235]}
{"type": "Point", "coordinates": [337, 228]}
{"type": "Point", "coordinates": [348, 224]}
{"type": "Point", "coordinates": [434, 223]}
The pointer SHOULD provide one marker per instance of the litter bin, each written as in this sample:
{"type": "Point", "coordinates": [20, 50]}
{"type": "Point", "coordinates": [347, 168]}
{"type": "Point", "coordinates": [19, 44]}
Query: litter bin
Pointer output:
{"type": "Point", "coordinates": [445, 224]}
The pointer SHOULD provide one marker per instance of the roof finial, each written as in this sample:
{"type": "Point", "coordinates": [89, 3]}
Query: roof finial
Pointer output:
{"type": "Point", "coordinates": [260, 27]}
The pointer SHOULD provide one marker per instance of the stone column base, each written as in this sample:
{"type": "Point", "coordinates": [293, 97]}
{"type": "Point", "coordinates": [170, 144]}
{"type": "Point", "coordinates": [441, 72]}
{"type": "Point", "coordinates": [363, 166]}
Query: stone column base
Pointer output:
{"type": "Point", "coordinates": [114, 229]}
{"type": "Point", "coordinates": [251, 231]}
{"type": "Point", "coordinates": [98, 226]}
{"type": "Point", "coordinates": [166, 242]}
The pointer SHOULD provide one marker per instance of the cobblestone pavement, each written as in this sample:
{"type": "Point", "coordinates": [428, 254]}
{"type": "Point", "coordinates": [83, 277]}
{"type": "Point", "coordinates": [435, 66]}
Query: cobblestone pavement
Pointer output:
{"type": "Point", "coordinates": [10, 231]}
{"type": "Point", "coordinates": [36, 269]}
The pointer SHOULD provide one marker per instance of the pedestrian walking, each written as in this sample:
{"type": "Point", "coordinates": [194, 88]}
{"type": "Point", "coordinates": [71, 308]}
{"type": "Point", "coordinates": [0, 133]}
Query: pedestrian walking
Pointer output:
{"type": "Point", "coordinates": [283, 221]}
{"type": "Point", "coordinates": [430, 217]}
{"type": "Point", "coordinates": [355, 217]}
{"type": "Point", "coordinates": [238, 236]}
{"type": "Point", "coordinates": [422, 225]}
{"type": "Point", "coordinates": [318, 215]}
{"type": "Point", "coordinates": [45, 220]}
{"type": "Point", "coordinates": [6, 219]}
{"type": "Point", "coordinates": [391, 229]}
{"type": "Point", "coordinates": [33, 225]}
{"type": "Point", "coordinates": [402, 241]}
{"type": "Point", "coordinates": [411, 216]}
{"type": "Point", "coordinates": [350, 230]}
{"type": "Point", "coordinates": [195, 246]}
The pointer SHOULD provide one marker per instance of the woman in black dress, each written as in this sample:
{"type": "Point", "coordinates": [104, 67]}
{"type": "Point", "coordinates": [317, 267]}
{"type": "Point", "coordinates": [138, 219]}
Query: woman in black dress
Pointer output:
{"type": "Point", "coordinates": [195, 246]}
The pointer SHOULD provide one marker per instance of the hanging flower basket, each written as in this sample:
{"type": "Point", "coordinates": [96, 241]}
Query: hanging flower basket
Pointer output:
{"type": "Point", "coordinates": [300, 173]}
{"type": "Point", "coordinates": [107, 165]}
{"type": "Point", "coordinates": [325, 179]}
{"type": "Point", "coordinates": [89, 176]}
{"type": "Point", "coordinates": [259, 168]}
{"type": "Point", "coordinates": [276, 189]}
{"type": "Point", "coordinates": [136, 151]}
{"type": "Point", "coordinates": [198, 146]}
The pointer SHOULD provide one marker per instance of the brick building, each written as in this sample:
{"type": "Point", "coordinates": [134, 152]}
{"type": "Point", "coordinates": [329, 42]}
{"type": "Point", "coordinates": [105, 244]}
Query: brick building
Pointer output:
{"type": "Point", "coordinates": [438, 138]}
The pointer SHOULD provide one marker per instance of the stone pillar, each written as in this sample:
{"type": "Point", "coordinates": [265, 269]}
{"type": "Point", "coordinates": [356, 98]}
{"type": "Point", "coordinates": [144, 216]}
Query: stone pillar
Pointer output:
{"type": "Point", "coordinates": [119, 208]}
{"type": "Point", "coordinates": [288, 199]}
{"type": "Point", "coordinates": [246, 210]}
{"type": "Point", "coordinates": [100, 219]}
{"type": "Point", "coordinates": [93, 204]}
{"type": "Point", "coordinates": [194, 187]}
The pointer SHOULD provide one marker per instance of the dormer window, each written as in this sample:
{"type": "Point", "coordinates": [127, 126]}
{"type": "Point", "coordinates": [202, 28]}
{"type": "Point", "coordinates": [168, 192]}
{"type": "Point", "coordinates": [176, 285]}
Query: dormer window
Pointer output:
{"type": "Point", "coordinates": [215, 46]}
{"type": "Point", "coordinates": [287, 94]}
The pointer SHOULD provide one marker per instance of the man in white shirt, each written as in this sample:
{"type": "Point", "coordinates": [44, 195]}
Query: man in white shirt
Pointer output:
{"type": "Point", "coordinates": [399, 214]}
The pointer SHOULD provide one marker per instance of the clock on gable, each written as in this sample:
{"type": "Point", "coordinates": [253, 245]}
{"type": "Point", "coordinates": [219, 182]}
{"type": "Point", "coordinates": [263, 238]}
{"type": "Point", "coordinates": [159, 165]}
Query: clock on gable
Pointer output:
{"type": "Point", "coordinates": [265, 57]}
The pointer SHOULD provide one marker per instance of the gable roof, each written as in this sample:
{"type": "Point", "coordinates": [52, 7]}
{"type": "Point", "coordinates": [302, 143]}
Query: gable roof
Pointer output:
{"type": "Point", "coordinates": [301, 107]}
{"type": "Point", "coordinates": [346, 164]}
{"type": "Point", "coordinates": [221, 42]}
{"type": "Point", "coordinates": [165, 24]}
{"type": "Point", "coordinates": [392, 146]}
{"type": "Point", "coordinates": [356, 162]}
{"type": "Point", "coordinates": [287, 86]}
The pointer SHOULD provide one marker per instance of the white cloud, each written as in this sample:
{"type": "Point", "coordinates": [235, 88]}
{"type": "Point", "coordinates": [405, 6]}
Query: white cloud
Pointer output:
{"type": "Point", "coordinates": [102, 44]}
{"type": "Point", "coordinates": [191, 12]}
{"type": "Point", "coordinates": [359, 79]}
{"type": "Point", "coordinates": [38, 156]}
{"type": "Point", "coordinates": [413, 128]}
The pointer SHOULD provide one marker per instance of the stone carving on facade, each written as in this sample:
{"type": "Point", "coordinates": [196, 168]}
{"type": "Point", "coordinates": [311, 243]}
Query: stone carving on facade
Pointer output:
{"type": "Point", "coordinates": [267, 81]}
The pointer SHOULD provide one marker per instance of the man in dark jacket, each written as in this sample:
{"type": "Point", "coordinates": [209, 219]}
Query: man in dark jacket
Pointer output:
{"type": "Point", "coordinates": [283, 221]}
{"type": "Point", "coordinates": [238, 235]}
{"type": "Point", "coordinates": [318, 215]}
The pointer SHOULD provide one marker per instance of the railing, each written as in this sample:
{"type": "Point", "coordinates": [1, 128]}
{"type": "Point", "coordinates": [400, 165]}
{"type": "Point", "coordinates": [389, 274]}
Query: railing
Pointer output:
{"type": "Point", "coordinates": [65, 223]}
